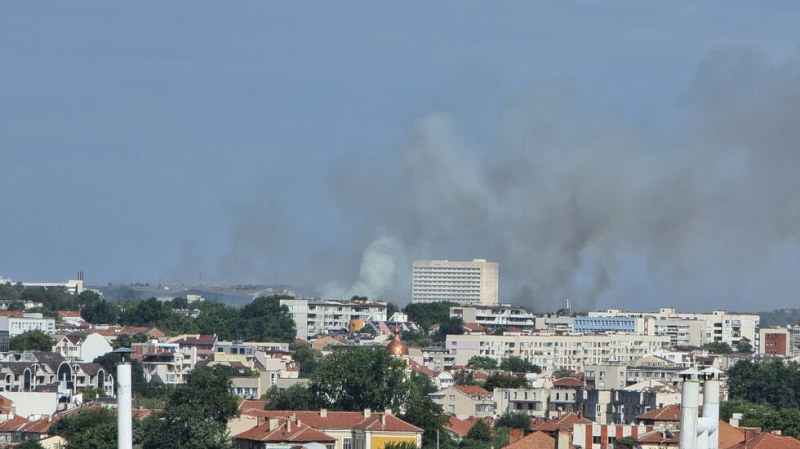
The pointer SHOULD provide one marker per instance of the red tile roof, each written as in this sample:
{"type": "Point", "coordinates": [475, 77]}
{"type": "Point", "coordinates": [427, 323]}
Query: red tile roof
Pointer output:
{"type": "Point", "coordinates": [534, 440]}
{"type": "Point", "coordinates": [288, 431]}
{"type": "Point", "coordinates": [769, 441]}
{"type": "Point", "coordinates": [729, 435]}
{"type": "Point", "coordinates": [13, 424]}
{"type": "Point", "coordinates": [340, 420]}
{"type": "Point", "coordinates": [661, 437]}
{"type": "Point", "coordinates": [568, 382]}
{"type": "Point", "coordinates": [564, 422]}
{"type": "Point", "coordinates": [461, 426]}
{"type": "Point", "coordinates": [671, 412]}
{"type": "Point", "coordinates": [473, 390]}
{"type": "Point", "coordinates": [249, 404]}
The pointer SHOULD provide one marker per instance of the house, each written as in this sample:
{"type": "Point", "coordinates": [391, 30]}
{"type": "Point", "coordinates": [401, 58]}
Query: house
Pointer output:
{"type": "Point", "coordinates": [464, 401]}
{"type": "Point", "coordinates": [459, 428]}
{"type": "Point", "coordinates": [669, 416]}
{"type": "Point", "coordinates": [531, 401]}
{"type": "Point", "coordinates": [563, 395]}
{"type": "Point", "coordinates": [768, 441]}
{"type": "Point", "coordinates": [534, 440]}
{"type": "Point", "coordinates": [281, 433]}
{"type": "Point", "coordinates": [351, 430]}
{"type": "Point", "coordinates": [82, 346]}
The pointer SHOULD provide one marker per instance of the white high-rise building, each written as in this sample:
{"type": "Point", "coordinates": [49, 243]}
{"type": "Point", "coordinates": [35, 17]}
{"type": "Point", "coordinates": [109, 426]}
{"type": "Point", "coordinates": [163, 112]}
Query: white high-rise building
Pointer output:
{"type": "Point", "coordinates": [463, 282]}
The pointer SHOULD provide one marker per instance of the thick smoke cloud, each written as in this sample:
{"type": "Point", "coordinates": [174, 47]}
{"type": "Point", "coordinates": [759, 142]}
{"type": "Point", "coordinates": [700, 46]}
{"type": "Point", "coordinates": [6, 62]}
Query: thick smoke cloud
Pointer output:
{"type": "Point", "coordinates": [561, 200]}
{"type": "Point", "coordinates": [578, 206]}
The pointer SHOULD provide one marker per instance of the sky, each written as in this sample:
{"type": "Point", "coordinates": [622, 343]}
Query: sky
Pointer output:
{"type": "Point", "coordinates": [621, 154]}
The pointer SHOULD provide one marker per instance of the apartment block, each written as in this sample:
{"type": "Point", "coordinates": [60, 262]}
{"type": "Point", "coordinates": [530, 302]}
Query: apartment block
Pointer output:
{"type": "Point", "coordinates": [496, 316]}
{"type": "Point", "coordinates": [553, 351]}
{"type": "Point", "coordinates": [28, 322]}
{"type": "Point", "coordinates": [330, 316]}
{"type": "Point", "coordinates": [464, 282]}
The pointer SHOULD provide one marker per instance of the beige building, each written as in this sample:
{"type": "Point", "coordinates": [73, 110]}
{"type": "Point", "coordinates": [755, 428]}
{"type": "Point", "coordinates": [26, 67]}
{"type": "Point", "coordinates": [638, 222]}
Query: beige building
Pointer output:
{"type": "Point", "coordinates": [463, 401]}
{"type": "Point", "coordinates": [551, 351]}
{"type": "Point", "coordinates": [463, 282]}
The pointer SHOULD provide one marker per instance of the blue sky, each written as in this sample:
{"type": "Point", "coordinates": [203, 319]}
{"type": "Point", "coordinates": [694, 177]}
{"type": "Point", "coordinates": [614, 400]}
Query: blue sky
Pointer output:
{"type": "Point", "coordinates": [618, 153]}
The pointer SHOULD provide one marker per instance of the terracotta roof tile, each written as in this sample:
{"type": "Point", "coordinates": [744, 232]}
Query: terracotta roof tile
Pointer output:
{"type": "Point", "coordinates": [671, 412]}
{"type": "Point", "coordinates": [339, 420]}
{"type": "Point", "coordinates": [472, 390]}
{"type": "Point", "coordinates": [13, 424]}
{"type": "Point", "coordinates": [249, 404]}
{"type": "Point", "coordinates": [567, 382]}
{"type": "Point", "coordinates": [769, 441]}
{"type": "Point", "coordinates": [534, 440]}
{"type": "Point", "coordinates": [729, 435]}
{"type": "Point", "coordinates": [287, 431]}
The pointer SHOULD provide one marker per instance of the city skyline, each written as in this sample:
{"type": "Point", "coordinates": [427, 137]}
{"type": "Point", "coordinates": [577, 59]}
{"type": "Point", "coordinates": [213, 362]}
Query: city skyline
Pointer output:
{"type": "Point", "coordinates": [617, 155]}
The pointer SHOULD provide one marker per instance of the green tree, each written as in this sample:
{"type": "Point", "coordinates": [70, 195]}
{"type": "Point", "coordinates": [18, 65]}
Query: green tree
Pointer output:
{"type": "Point", "coordinates": [207, 390]}
{"type": "Point", "coordinates": [400, 445]}
{"type": "Point", "coordinates": [768, 381]}
{"type": "Point", "coordinates": [562, 372]}
{"type": "Point", "coordinates": [519, 365]}
{"type": "Point", "coordinates": [500, 380]}
{"type": "Point", "coordinates": [34, 340]}
{"type": "Point", "coordinates": [149, 312]}
{"type": "Point", "coordinates": [125, 340]}
{"type": "Point", "coordinates": [179, 303]}
{"type": "Point", "coordinates": [480, 431]}
{"type": "Point", "coordinates": [30, 444]}
{"type": "Point", "coordinates": [217, 318]}
{"type": "Point", "coordinates": [101, 312]}
{"type": "Point", "coordinates": [628, 442]}
{"type": "Point", "coordinates": [195, 414]}
{"type": "Point", "coordinates": [718, 347]}
{"type": "Point", "coordinates": [427, 314]}
{"type": "Point", "coordinates": [265, 319]}
{"type": "Point", "coordinates": [744, 346]}
{"type": "Point", "coordinates": [296, 397]}
{"type": "Point", "coordinates": [391, 309]}
{"type": "Point", "coordinates": [16, 305]}
{"type": "Point", "coordinates": [110, 361]}
{"type": "Point", "coordinates": [421, 411]}
{"type": "Point", "coordinates": [416, 339]}
{"type": "Point", "coordinates": [306, 357]}
{"type": "Point", "coordinates": [89, 428]}
{"type": "Point", "coordinates": [482, 362]}
{"type": "Point", "coordinates": [359, 378]}
{"type": "Point", "coordinates": [514, 420]}
{"type": "Point", "coordinates": [449, 326]}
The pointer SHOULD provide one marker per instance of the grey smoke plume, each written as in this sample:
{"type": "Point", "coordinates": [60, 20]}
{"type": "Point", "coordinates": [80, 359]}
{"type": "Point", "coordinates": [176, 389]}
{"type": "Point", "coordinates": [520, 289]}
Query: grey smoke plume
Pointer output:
{"type": "Point", "coordinates": [563, 204]}
{"type": "Point", "coordinates": [697, 216]}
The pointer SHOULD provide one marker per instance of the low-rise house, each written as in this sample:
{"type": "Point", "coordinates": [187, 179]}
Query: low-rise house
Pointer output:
{"type": "Point", "coordinates": [82, 346]}
{"type": "Point", "coordinates": [49, 371]}
{"type": "Point", "coordinates": [531, 401]}
{"type": "Point", "coordinates": [534, 440]}
{"type": "Point", "coordinates": [351, 430]}
{"type": "Point", "coordinates": [284, 434]}
{"type": "Point", "coordinates": [667, 417]}
{"type": "Point", "coordinates": [463, 401]}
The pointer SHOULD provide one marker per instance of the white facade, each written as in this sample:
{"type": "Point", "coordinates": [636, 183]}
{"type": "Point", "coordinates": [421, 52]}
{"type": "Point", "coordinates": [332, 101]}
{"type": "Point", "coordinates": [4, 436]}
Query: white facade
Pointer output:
{"type": "Point", "coordinates": [72, 286]}
{"type": "Point", "coordinates": [552, 352]}
{"type": "Point", "coordinates": [29, 322]}
{"type": "Point", "coordinates": [298, 310]}
{"type": "Point", "coordinates": [466, 283]}
{"type": "Point", "coordinates": [326, 316]}
{"type": "Point", "coordinates": [496, 316]}
{"type": "Point", "coordinates": [720, 326]}
{"type": "Point", "coordinates": [84, 347]}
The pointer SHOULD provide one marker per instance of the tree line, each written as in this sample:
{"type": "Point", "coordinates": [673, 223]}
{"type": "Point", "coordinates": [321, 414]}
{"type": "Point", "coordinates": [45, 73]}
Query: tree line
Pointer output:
{"type": "Point", "coordinates": [767, 393]}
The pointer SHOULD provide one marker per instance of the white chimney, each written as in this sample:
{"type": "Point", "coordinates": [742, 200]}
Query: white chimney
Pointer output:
{"type": "Point", "coordinates": [697, 432]}
{"type": "Point", "coordinates": [367, 412]}
{"type": "Point", "coordinates": [323, 413]}
{"type": "Point", "coordinates": [124, 418]}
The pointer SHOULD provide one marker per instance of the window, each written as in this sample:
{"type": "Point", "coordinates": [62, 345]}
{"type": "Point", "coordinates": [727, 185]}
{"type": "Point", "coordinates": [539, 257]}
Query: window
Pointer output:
{"type": "Point", "coordinates": [347, 443]}
{"type": "Point", "coordinates": [596, 439]}
{"type": "Point", "coordinates": [452, 398]}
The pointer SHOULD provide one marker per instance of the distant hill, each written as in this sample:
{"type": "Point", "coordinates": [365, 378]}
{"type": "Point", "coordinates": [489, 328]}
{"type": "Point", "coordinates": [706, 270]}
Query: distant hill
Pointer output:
{"type": "Point", "coordinates": [780, 317]}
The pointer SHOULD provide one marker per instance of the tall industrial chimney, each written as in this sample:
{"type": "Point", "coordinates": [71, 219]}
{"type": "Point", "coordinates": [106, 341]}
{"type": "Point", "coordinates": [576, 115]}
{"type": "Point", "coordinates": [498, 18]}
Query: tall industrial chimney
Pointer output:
{"type": "Point", "coordinates": [124, 421]}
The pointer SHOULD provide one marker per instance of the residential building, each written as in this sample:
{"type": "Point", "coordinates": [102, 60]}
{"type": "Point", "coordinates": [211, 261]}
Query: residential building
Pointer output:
{"type": "Point", "coordinates": [463, 401]}
{"type": "Point", "coordinates": [603, 324]}
{"type": "Point", "coordinates": [463, 282]}
{"type": "Point", "coordinates": [494, 317]}
{"type": "Point", "coordinates": [776, 342]}
{"type": "Point", "coordinates": [82, 346]}
{"type": "Point", "coordinates": [335, 316]}
{"type": "Point", "coordinates": [554, 351]}
{"type": "Point", "coordinates": [27, 322]}
{"type": "Point", "coordinates": [298, 310]}
{"type": "Point", "coordinates": [531, 401]}
{"type": "Point", "coordinates": [720, 326]}
{"type": "Point", "coordinates": [351, 430]}
{"type": "Point", "coordinates": [283, 434]}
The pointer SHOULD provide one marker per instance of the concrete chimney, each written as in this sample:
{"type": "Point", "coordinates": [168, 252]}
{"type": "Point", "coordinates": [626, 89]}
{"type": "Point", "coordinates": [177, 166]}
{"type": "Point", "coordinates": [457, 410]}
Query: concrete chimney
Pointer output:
{"type": "Point", "coordinates": [690, 395]}
{"type": "Point", "coordinates": [323, 413]}
{"type": "Point", "coordinates": [367, 412]}
{"type": "Point", "coordinates": [273, 423]}
{"type": "Point", "coordinates": [124, 417]}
